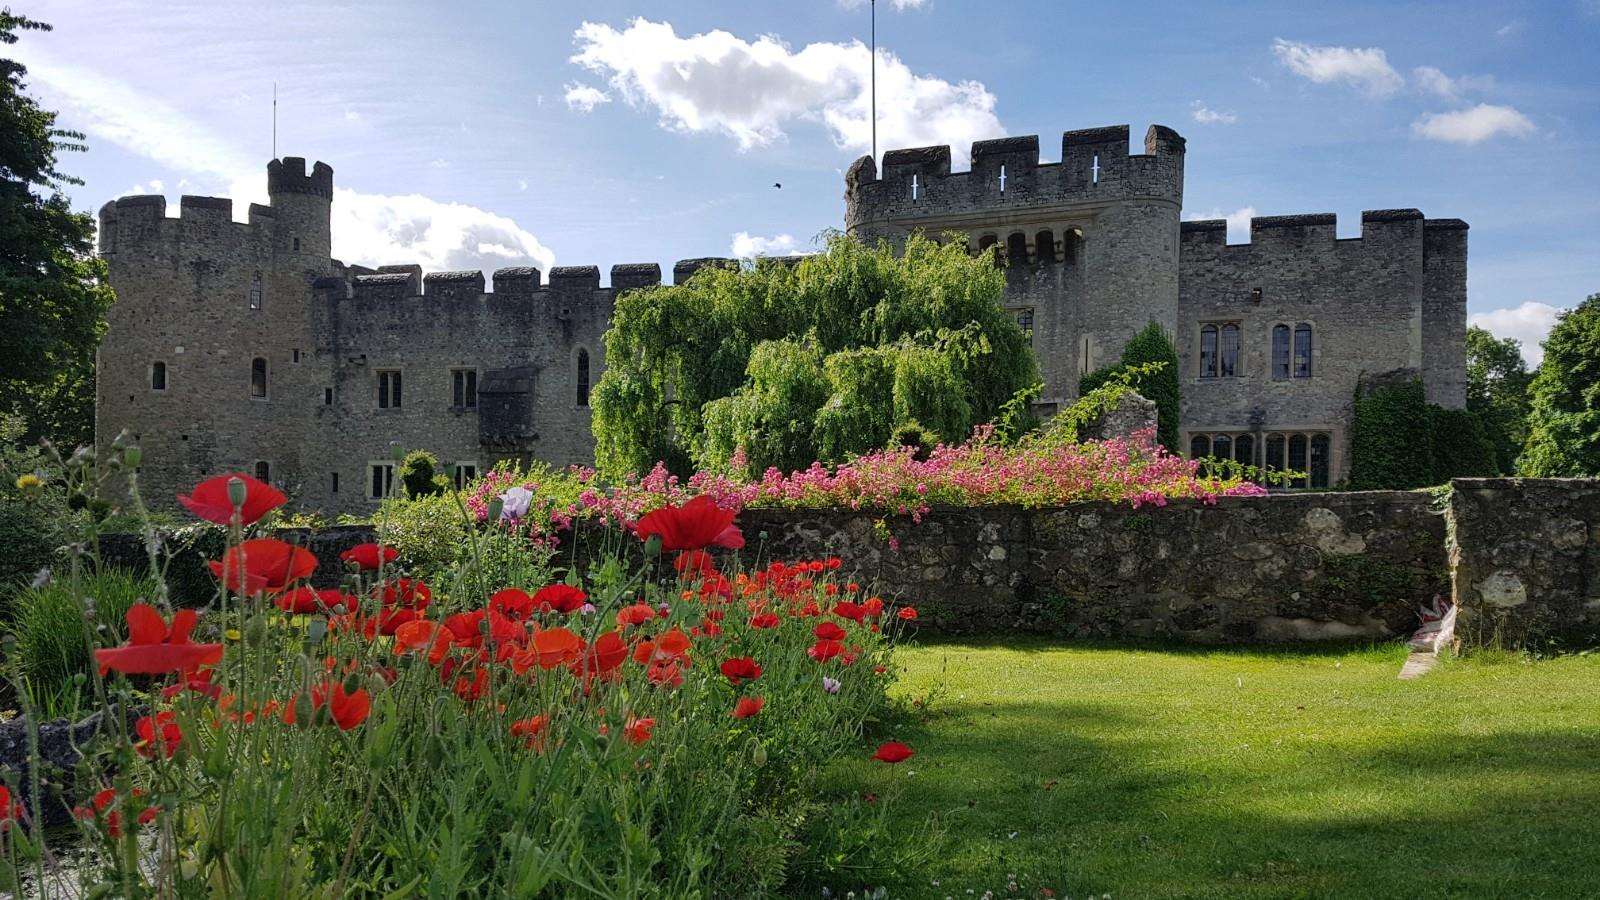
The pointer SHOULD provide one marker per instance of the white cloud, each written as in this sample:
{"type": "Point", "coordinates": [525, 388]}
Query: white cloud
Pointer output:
{"type": "Point", "coordinates": [153, 186]}
{"type": "Point", "coordinates": [585, 97]}
{"type": "Point", "coordinates": [1433, 81]}
{"type": "Point", "coordinates": [1238, 222]}
{"type": "Point", "coordinates": [899, 5]}
{"type": "Point", "coordinates": [367, 228]}
{"type": "Point", "coordinates": [1513, 27]}
{"type": "Point", "coordinates": [1364, 67]}
{"type": "Point", "coordinates": [1529, 323]}
{"type": "Point", "coordinates": [1474, 125]}
{"type": "Point", "coordinates": [522, 184]}
{"type": "Point", "coordinates": [746, 246]}
{"type": "Point", "coordinates": [351, 115]}
{"type": "Point", "coordinates": [752, 90]}
{"type": "Point", "coordinates": [1207, 116]}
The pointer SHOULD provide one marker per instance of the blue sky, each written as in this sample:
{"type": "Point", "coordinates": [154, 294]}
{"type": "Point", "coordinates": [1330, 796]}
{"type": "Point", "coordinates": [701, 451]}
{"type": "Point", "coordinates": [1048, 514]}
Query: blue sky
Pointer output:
{"type": "Point", "coordinates": [482, 134]}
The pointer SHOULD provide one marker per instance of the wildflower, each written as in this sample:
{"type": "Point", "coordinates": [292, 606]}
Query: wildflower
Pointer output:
{"type": "Point", "coordinates": [747, 707]}
{"type": "Point", "coordinates": [846, 609]}
{"type": "Point", "coordinates": [692, 564]}
{"type": "Point", "coordinates": [263, 565]}
{"type": "Point", "coordinates": [636, 614]}
{"type": "Point", "coordinates": [907, 614]}
{"type": "Point", "coordinates": [369, 556]}
{"type": "Point", "coordinates": [664, 674]}
{"type": "Point", "coordinates": [198, 682]}
{"type": "Point", "coordinates": [603, 656]}
{"type": "Point", "coordinates": [345, 708]}
{"type": "Point", "coordinates": [831, 685]}
{"type": "Point", "coordinates": [420, 633]}
{"type": "Point", "coordinates": [695, 525]}
{"type": "Point", "coordinates": [764, 620]}
{"type": "Point", "coordinates": [824, 650]}
{"type": "Point", "coordinates": [637, 731]}
{"type": "Point", "coordinates": [514, 503]}
{"type": "Point", "coordinates": [10, 810]}
{"type": "Point", "coordinates": [210, 500]}
{"type": "Point", "coordinates": [739, 669]}
{"type": "Point", "coordinates": [893, 752]}
{"type": "Point", "coordinates": [531, 730]}
{"type": "Point", "coordinates": [406, 592]}
{"type": "Point", "coordinates": [829, 631]}
{"type": "Point", "coordinates": [470, 688]}
{"type": "Point", "coordinates": [158, 734]}
{"type": "Point", "coordinates": [305, 600]}
{"type": "Point", "coordinates": [563, 598]}
{"type": "Point", "coordinates": [154, 648]}
{"type": "Point", "coordinates": [552, 647]}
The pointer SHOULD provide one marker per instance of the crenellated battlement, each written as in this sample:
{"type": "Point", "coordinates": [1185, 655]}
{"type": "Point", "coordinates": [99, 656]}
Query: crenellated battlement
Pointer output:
{"type": "Point", "coordinates": [918, 189]}
{"type": "Point", "coordinates": [1308, 229]}
{"type": "Point", "coordinates": [288, 176]}
{"type": "Point", "coordinates": [402, 282]}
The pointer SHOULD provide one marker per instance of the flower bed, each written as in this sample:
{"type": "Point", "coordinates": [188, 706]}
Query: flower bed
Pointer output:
{"type": "Point", "coordinates": [618, 732]}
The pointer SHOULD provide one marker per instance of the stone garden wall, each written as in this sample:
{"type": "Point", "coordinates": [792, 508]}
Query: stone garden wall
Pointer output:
{"type": "Point", "coordinates": [1261, 569]}
{"type": "Point", "coordinates": [1525, 561]}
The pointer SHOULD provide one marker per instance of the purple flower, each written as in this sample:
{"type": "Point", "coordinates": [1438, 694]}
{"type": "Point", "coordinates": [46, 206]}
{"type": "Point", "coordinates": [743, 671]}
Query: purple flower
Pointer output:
{"type": "Point", "coordinates": [831, 685]}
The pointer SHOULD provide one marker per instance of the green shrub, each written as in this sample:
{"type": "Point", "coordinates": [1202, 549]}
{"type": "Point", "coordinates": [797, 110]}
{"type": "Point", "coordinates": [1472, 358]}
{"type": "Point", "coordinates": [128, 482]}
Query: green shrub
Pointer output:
{"type": "Point", "coordinates": [1564, 421]}
{"type": "Point", "coordinates": [1461, 445]}
{"type": "Point", "coordinates": [428, 531]}
{"type": "Point", "coordinates": [1151, 352]}
{"type": "Point", "coordinates": [29, 536]}
{"type": "Point", "coordinates": [53, 638]}
{"type": "Point", "coordinates": [419, 474]}
{"type": "Point", "coordinates": [1400, 441]}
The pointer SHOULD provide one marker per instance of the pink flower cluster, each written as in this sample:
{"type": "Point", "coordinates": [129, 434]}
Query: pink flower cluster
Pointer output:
{"type": "Point", "coordinates": [979, 472]}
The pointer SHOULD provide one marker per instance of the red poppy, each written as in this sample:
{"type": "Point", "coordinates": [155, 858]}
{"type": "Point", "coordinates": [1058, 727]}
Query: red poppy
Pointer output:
{"type": "Point", "coordinates": [407, 592]}
{"type": "Point", "coordinates": [692, 564]}
{"type": "Point", "coordinates": [305, 600]}
{"type": "Point", "coordinates": [828, 631]}
{"type": "Point", "coordinates": [471, 686]}
{"type": "Point", "coordinates": [531, 730]}
{"type": "Point", "coordinates": [824, 650]}
{"type": "Point", "coordinates": [563, 598]}
{"type": "Point", "coordinates": [637, 731]}
{"type": "Point", "coordinates": [739, 669]}
{"type": "Point", "coordinates": [346, 709]}
{"type": "Point", "coordinates": [747, 707]}
{"type": "Point", "coordinates": [846, 609]}
{"type": "Point", "coordinates": [466, 629]}
{"type": "Point", "coordinates": [706, 629]}
{"type": "Point", "coordinates": [550, 648]}
{"type": "Point", "coordinates": [263, 565]}
{"type": "Point", "coordinates": [764, 620]}
{"type": "Point", "coordinates": [153, 648]}
{"type": "Point", "coordinates": [420, 633]}
{"type": "Point", "coordinates": [893, 752]}
{"type": "Point", "coordinates": [210, 501]}
{"type": "Point", "coordinates": [636, 614]}
{"type": "Point", "coordinates": [907, 614]}
{"type": "Point", "coordinates": [10, 810]}
{"type": "Point", "coordinates": [370, 556]}
{"type": "Point", "coordinates": [513, 603]}
{"type": "Point", "coordinates": [695, 525]}
{"type": "Point", "coordinates": [198, 682]}
{"type": "Point", "coordinates": [158, 734]}
{"type": "Point", "coordinates": [664, 674]}
{"type": "Point", "coordinates": [603, 656]}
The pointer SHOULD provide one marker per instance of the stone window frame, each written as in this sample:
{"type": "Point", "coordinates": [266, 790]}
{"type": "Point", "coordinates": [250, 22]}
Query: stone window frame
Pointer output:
{"type": "Point", "coordinates": [264, 393]}
{"type": "Point", "coordinates": [159, 365]}
{"type": "Point", "coordinates": [262, 470]}
{"type": "Point", "coordinates": [388, 466]}
{"type": "Point", "coordinates": [257, 296]}
{"type": "Point", "coordinates": [1218, 325]}
{"type": "Point", "coordinates": [1021, 313]}
{"type": "Point", "coordinates": [1293, 327]}
{"type": "Point", "coordinates": [385, 398]}
{"type": "Point", "coordinates": [471, 388]}
{"type": "Point", "coordinates": [582, 377]}
{"type": "Point", "coordinates": [1332, 439]}
{"type": "Point", "coordinates": [1234, 436]}
{"type": "Point", "coordinates": [461, 478]}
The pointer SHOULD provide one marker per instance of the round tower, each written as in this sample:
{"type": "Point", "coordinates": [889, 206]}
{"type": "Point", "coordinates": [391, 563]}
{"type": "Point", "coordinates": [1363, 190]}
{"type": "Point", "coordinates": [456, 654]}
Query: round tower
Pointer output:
{"type": "Point", "coordinates": [302, 205]}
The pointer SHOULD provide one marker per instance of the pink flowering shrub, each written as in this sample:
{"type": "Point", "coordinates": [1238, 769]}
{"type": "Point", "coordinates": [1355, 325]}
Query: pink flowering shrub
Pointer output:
{"type": "Point", "coordinates": [979, 472]}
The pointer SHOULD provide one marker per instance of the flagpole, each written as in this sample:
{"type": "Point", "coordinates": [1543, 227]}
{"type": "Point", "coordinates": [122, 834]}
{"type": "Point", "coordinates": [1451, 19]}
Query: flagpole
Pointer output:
{"type": "Point", "coordinates": [874, 82]}
{"type": "Point", "coordinates": [274, 120]}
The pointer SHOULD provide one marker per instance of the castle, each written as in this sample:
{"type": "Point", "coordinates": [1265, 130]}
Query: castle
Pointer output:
{"type": "Point", "coordinates": [246, 347]}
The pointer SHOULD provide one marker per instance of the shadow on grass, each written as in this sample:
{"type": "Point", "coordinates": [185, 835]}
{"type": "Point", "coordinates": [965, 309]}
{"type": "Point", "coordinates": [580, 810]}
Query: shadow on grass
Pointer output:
{"type": "Point", "coordinates": [1045, 644]}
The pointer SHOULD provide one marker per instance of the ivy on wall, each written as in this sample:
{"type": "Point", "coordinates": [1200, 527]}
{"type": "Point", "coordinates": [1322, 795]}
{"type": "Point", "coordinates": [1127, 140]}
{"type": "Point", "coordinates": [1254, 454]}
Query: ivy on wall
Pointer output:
{"type": "Point", "coordinates": [1400, 441]}
{"type": "Point", "coordinates": [1155, 383]}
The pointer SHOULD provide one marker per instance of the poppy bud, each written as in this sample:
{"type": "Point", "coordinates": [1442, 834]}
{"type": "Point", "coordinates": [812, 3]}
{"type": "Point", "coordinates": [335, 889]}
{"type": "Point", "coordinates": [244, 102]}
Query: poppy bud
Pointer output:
{"type": "Point", "coordinates": [316, 631]}
{"type": "Point", "coordinates": [758, 756]}
{"type": "Point", "coordinates": [652, 547]}
{"type": "Point", "coordinates": [237, 492]}
{"type": "Point", "coordinates": [496, 506]}
{"type": "Point", "coordinates": [256, 631]}
{"type": "Point", "coordinates": [133, 456]}
{"type": "Point", "coordinates": [303, 710]}
{"type": "Point", "coordinates": [352, 683]}
{"type": "Point", "coordinates": [216, 765]}
{"type": "Point", "coordinates": [121, 440]}
{"type": "Point", "coordinates": [397, 451]}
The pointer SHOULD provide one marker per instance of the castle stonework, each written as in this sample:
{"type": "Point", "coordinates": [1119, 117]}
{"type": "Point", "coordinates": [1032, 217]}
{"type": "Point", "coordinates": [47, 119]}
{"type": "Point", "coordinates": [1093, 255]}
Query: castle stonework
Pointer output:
{"type": "Point", "coordinates": [246, 347]}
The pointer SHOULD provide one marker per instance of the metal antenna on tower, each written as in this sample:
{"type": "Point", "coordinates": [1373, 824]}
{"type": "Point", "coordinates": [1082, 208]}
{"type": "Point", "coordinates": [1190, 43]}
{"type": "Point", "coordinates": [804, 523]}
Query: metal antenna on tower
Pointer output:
{"type": "Point", "coordinates": [274, 120]}
{"type": "Point", "coordinates": [874, 82]}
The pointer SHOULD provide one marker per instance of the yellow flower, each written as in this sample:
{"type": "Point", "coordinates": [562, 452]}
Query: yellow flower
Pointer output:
{"type": "Point", "coordinates": [232, 634]}
{"type": "Point", "coordinates": [29, 482]}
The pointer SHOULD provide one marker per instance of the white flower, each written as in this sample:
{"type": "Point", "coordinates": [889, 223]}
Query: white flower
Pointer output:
{"type": "Point", "coordinates": [514, 503]}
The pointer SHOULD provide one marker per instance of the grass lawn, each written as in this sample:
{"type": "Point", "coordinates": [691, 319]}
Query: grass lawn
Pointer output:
{"type": "Point", "coordinates": [1201, 773]}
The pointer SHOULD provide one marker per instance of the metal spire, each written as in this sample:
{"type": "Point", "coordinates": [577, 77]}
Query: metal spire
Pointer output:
{"type": "Point", "coordinates": [874, 82]}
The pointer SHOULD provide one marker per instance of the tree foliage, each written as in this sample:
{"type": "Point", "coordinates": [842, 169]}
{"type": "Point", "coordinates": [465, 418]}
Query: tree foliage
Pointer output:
{"type": "Point", "coordinates": [1158, 383]}
{"type": "Point", "coordinates": [1564, 417]}
{"type": "Point", "coordinates": [1400, 441]}
{"type": "Point", "coordinates": [816, 360]}
{"type": "Point", "coordinates": [1497, 391]}
{"type": "Point", "coordinates": [53, 295]}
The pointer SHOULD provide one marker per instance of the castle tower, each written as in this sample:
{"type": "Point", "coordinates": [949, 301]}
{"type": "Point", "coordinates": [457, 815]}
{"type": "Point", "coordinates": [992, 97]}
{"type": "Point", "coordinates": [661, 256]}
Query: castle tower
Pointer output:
{"type": "Point", "coordinates": [302, 205]}
{"type": "Point", "coordinates": [1089, 244]}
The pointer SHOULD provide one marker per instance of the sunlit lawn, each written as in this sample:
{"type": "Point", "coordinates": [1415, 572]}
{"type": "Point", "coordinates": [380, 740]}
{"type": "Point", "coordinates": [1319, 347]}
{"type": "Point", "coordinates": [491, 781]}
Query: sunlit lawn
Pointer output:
{"type": "Point", "coordinates": [1183, 773]}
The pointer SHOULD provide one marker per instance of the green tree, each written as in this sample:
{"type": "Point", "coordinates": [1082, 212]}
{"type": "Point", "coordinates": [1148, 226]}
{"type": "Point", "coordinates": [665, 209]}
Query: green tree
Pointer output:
{"type": "Point", "coordinates": [816, 360]}
{"type": "Point", "coordinates": [1497, 390]}
{"type": "Point", "coordinates": [53, 295]}
{"type": "Point", "coordinates": [1150, 345]}
{"type": "Point", "coordinates": [1564, 416]}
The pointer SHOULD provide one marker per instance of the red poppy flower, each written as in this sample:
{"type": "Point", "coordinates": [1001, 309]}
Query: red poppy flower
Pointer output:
{"type": "Point", "coordinates": [893, 752]}
{"type": "Point", "coordinates": [10, 810]}
{"type": "Point", "coordinates": [210, 501]}
{"type": "Point", "coordinates": [828, 631]}
{"type": "Point", "coordinates": [470, 687]}
{"type": "Point", "coordinates": [153, 648]}
{"type": "Point", "coordinates": [370, 556]}
{"type": "Point", "coordinates": [198, 682]}
{"type": "Point", "coordinates": [407, 592]}
{"type": "Point", "coordinates": [739, 669]}
{"type": "Point", "coordinates": [637, 731]}
{"type": "Point", "coordinates": [692, 564]}
{"type": "Point", "coordinates": [636, 614]}
{"type": "Point", "coordinates": [513, 603]}
{"type": "Point", "coordinates": [824, 650]}
{"type": "Point", "coordinates": [907, 614]}
{"type": "Point", "coordinates": [563, 598]}
{"type": "Point", "coordinates": [531, 730]}
{"type": "Point", "coordinates": [346, 709]}
{"type": "Point", "coordinates": [420, 633]}
{"type": "Point", "coordinates": [158, 734]}
{"type": "Point", "coordinates": [603, 656]}
{"type": "Point", "coordinates": [695, 525]}
{"type": "Point", "coordinates": [706, 629]}
{"type": "Point", "coordinates": [664, 674]}
{"type": "Point", "coordinates": [846, 609]}
{"type": "Point", "coordinates": [552, 647]}
{"type": "Point", "coordinates": [305, 600]}
{"type": "Point", "coordinates": [873, 606]}
{"type": "Point", "coordinates": [466, 629]}
{"type": "Point", "coordinates": [764, 620]}
{"type": "Point", "coordinates": [747, 707]}
{"type": "Point", "coordinates": [263, 565]}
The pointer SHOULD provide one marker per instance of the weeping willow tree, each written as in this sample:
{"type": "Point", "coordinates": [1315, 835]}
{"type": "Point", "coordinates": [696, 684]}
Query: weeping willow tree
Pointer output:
{"type": "Point", "coordinates": [816, 360]}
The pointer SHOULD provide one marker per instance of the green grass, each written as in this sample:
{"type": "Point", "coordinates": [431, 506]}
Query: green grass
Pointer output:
{"type": "Point", "coordinates": [1195, 773]}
